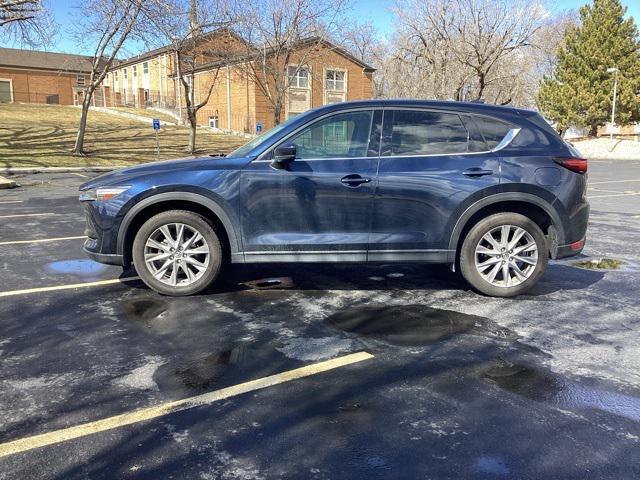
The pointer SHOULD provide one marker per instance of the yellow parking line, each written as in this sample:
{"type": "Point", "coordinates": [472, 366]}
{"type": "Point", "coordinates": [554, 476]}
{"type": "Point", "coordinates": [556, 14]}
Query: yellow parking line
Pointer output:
{"type": "Point", "coordinates": [65, 434]}
{"type": "Point", "coordinates": [41, 240]}
{"type": "Point", "coordinates": [29, 215]}
{"type": "Point", "coordinates": [66, 287]}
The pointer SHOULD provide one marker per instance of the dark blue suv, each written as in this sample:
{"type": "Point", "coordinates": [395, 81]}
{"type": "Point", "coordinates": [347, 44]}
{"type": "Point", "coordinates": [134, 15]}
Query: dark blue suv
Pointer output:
{"type": "Point", "coordinates": [492, 191]}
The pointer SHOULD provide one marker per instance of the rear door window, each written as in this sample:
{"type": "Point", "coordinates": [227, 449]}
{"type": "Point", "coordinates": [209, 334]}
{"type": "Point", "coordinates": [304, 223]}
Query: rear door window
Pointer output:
{"type": "Point", "coordinates": [419, 132]}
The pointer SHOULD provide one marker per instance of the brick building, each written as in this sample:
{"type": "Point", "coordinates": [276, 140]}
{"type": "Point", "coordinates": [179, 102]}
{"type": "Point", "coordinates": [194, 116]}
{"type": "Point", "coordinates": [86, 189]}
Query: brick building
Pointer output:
{"type": "Point", "coordinates": [238, 102]}
{"type": "Point", "coordinates": [42, 77]}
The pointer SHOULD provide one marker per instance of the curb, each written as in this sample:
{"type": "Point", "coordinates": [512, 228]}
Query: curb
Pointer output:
{"type": "Point", "coordinates": [11, 170]}
{"type": "Point", "coordinates": [6, 183]}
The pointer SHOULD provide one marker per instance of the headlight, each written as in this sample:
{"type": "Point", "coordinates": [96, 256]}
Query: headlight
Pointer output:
{"type": "Point", "coordinates": [102, 194]}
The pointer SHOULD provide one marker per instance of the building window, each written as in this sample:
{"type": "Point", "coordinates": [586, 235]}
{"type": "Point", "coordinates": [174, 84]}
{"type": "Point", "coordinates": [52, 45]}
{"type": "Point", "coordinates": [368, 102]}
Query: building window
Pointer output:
{"type": "Point", "coordinates": [115, 76]}
{"type": "Point", "coordinates": [80, 80]}
{"type": "Point", "coordinates": [146, 95]}
{"type": "Point", "coordinates": [135, 71]}
{"type": "Point", "coordinates": [145, 68]}
{"type": "Point", "coordinates": [298, 76]}
{"type": "Point", "coordinates": [213, 122]}
{"type": "Point", "coordinates": [334, 80]}
{"type": "Point", "coordinates": [6, 92]}
{"type": "Point", "coordinates": [124, 74]}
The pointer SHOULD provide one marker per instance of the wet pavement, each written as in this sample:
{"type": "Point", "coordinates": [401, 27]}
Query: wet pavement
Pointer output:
{"type": "Point", "coordinates": [460, 386]}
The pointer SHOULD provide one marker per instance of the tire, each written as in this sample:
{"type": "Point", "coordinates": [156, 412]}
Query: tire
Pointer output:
{"type": "Point", "coordinates": [191, 266]}
{"type": "Point", "coordinates": [525, 263]}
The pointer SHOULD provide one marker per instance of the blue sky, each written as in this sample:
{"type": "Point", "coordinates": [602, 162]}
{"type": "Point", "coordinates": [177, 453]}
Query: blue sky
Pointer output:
{"type": "Point", "coordinates": [376, 11]}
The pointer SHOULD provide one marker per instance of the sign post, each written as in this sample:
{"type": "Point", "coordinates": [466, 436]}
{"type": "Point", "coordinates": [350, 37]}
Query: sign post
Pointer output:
{"type": "Point", "coordinates": [156, 127]}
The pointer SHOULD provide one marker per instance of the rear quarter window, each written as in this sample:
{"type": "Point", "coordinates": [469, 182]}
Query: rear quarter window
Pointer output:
{"type": "Point", "coordinates": [492, 130]}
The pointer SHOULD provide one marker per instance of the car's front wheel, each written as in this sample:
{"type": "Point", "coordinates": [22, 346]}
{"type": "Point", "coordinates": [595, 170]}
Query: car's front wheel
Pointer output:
{"type": "Point", "coordinates": [177, 253]}
{"type": "Point", "coordinates": [504, 255]}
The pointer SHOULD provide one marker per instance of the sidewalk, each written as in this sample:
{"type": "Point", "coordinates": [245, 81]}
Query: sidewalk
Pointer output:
{"type": "Point", "coordinates": [600, 149]}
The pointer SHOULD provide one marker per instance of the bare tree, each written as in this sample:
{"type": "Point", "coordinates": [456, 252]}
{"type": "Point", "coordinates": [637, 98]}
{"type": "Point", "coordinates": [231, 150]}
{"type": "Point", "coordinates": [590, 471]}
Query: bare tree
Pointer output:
{"type": "Point", "coordinates": [26, 22]}
{"type": "Point", "coordinates": [465, 43]}
{"type": "Point", "coordinates": [194, 32]}
{"type": "Point", "coordinates": [282, 34]}
{"type": "Point", "coordinates": [361, 40]}
{"type": "Point", "coordinates": [107, 23]}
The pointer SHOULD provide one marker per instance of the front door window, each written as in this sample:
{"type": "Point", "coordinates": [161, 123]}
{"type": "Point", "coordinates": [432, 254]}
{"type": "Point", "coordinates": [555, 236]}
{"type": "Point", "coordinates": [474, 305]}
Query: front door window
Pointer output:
{"type": "Point", "coordinates": [341, 136]}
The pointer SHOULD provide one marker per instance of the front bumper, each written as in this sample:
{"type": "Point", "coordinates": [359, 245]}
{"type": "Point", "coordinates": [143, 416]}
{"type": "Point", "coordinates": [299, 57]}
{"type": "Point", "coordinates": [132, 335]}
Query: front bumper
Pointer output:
{"type": "Point", "coordinates": [101, 231]}
{"type": "Point", "coordinates": [108, 258]}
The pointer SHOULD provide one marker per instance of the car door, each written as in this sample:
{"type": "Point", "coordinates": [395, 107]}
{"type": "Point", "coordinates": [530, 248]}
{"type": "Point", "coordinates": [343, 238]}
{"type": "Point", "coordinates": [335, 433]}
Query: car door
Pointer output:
{"type": "Point", "coordinates": [431, 163]}
{"type": "Point", "coordinates": [319, 207]}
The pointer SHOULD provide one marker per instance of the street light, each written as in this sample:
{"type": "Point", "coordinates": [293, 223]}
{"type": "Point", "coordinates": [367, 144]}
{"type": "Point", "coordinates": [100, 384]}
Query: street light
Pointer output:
{"type": "Point", "coordinates": [615, 93]}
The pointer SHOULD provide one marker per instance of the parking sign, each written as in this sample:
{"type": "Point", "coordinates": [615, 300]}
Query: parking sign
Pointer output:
{"type": "Point", "coordinates": [156, 124]}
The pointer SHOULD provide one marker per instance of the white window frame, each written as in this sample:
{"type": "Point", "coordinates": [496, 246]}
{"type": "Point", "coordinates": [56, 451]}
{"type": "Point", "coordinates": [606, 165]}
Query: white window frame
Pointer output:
{"type": "Point", "coordinates": [290, 87]}
{"type": "Point", "coordinates": [135, 71]}
{"type": "Point", "coordinates": [325, 86]}
{"type": "Point", "coordinates": [124, 75]}
{"type": "Point", "coordinates": [79, 77]}
{"type": "Point", "coordinates": [297, 76]}
{"type": "Point", "coordinates": [145, 68]}
{"type": "Point", "coordinates": [214, 122]}
{"type": "Point", "coordinates": [10, 80]}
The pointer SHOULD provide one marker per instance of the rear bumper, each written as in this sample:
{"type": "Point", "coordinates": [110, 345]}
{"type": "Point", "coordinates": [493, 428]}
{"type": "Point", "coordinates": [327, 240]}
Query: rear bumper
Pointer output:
{"type": "Point", "coordinates": [571, 249]}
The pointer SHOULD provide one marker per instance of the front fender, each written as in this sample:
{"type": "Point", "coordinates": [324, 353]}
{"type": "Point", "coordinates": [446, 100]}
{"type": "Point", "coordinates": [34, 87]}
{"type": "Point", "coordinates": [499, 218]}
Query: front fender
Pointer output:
{"type": "Point", "coordinates": [227, 218]}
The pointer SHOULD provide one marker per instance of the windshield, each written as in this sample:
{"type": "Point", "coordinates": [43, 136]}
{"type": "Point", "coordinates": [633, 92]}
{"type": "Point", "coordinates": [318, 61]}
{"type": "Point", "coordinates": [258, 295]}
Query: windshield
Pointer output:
{"type": "Point", "coordinates": [247, 147]}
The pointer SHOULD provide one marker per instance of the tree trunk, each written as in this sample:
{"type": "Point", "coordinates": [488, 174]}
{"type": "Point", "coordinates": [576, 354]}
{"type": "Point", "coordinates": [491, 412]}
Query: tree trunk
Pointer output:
{"type": "Point", "coordinates": [482, 83]}
{"type": "Point", "coordinates": [78, 149]}
{"type": "Point", "coordinates": [192, 133]}
{"type": "Point", "coordinates": [593, 130]}
{"type": "Point", "coordinates": [277, 113]}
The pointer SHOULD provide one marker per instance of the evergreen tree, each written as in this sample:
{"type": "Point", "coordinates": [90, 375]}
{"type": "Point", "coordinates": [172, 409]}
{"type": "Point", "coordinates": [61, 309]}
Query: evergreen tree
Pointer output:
{"type": "Point", "coordinates": [580, 92]}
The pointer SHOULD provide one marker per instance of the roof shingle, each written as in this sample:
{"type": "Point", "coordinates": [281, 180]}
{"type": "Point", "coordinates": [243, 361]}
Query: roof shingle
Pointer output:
{"type": "Point", "coordinates": [13, 57]}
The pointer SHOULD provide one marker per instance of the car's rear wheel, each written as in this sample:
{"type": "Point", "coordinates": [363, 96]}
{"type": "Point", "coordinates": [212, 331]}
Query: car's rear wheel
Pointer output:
{"type": "Point", "coordinates": [504, 255]}
{"type": "Point", "coordinates": [177, 253]}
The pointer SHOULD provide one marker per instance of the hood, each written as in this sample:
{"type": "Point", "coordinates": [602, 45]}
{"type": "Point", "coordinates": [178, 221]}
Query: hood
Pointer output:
{"type": "Point", "coordinates": [123, 175]}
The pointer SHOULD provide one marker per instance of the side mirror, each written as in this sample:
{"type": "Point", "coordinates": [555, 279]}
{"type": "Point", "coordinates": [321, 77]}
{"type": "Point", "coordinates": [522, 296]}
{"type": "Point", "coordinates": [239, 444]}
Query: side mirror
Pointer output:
{"type": "Point", "coordinates": [284, 155]}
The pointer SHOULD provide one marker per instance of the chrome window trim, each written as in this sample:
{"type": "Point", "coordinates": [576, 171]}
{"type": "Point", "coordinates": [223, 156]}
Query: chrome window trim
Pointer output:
{"type": "Point", "coordinates": [508, 138]}
{"type": "Point", "coordinates": [505, 142]}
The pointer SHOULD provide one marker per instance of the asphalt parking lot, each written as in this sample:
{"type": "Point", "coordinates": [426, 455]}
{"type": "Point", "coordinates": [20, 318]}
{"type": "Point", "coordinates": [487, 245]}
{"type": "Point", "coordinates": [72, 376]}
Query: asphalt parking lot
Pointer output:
{"type": "Point", "coordinates": [326, 372]}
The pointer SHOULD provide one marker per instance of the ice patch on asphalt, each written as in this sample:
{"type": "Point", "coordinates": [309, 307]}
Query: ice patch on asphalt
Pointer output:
{"type": "Point", "coordinates": [141, 378]}
{"type": "Point", "coordinates": [314, 349]}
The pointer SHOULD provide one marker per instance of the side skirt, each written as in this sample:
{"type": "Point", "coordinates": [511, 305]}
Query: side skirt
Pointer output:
{"type": "Point", "coordinates": [352, 256]}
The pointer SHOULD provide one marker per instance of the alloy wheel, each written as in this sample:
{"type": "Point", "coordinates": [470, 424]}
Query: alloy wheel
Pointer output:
{"type": "Point", "coordinates": [176, 254]}
{"type": "Point", "coordinates": [506, 256]}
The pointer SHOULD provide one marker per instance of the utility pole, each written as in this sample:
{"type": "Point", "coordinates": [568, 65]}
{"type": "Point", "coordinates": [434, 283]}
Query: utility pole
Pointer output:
{"type": "Point", "coordinates": [613, 107]}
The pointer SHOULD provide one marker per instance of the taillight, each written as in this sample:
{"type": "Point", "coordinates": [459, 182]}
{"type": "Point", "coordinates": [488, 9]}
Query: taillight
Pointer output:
{"type": "Point", "coordinates": [575, 164]}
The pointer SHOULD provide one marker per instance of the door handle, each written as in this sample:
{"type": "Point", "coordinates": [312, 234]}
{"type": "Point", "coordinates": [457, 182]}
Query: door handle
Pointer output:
{"type": "Point", "coordinates": [477, 172]}
{"type": "Point", "coordinates": [354, 180]}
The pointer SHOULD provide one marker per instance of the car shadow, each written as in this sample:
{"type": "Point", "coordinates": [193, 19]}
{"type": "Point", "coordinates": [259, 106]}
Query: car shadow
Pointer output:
{"type": "Point", "coordinates": [345, 277]}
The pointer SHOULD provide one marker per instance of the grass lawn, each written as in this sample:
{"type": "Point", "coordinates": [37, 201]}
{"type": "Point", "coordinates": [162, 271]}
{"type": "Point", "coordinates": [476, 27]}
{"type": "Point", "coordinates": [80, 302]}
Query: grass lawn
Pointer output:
{"type": "Point", "coordinates": [44, 135]}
